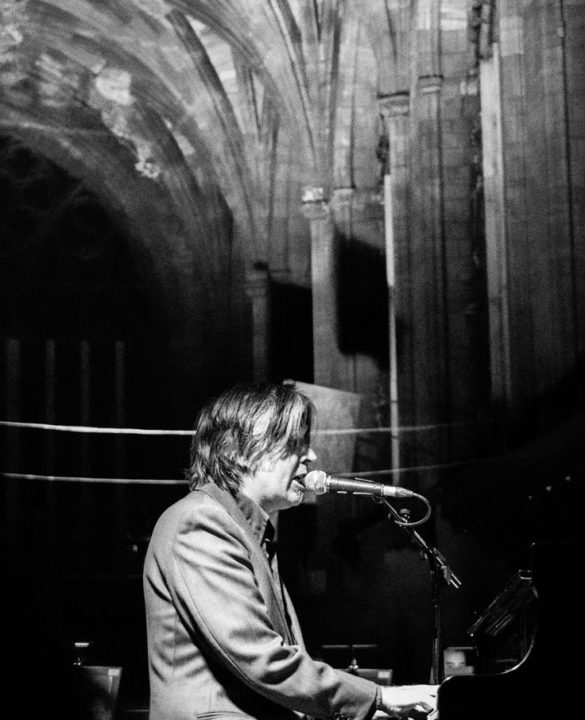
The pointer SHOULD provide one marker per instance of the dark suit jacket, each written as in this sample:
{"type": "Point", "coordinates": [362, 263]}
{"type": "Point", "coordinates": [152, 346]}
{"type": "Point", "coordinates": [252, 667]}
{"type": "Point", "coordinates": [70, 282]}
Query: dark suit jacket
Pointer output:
{"type": "Point", "coordinates": [219, 644]}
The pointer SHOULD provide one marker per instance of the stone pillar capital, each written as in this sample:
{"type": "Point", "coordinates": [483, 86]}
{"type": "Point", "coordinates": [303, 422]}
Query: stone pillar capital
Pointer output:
{"type": "Point", "coordinates": [313, 194]}
{"type": "Point", "coordinates": [395, 104]}
{"type": "Point", "coordinates": [430, 84]}
{"type": "Point", "coordinates": [314, 203]}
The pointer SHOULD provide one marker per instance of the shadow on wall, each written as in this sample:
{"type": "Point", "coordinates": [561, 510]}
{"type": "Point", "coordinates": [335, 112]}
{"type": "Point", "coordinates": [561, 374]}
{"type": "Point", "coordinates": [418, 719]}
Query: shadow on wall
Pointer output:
{"type": "Point", "coordinates": [291, 332]}
{"type": "Point", "coordinates": [362, 300]}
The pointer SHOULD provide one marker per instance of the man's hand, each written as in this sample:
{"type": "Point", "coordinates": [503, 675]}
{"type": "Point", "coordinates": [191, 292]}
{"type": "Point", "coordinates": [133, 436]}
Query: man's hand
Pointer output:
{"type": "Point", "coordinates": [404, 701]}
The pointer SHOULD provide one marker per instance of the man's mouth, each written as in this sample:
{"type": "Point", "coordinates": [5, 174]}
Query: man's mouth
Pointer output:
{"type": "Point", "coordinates": [300, 480]}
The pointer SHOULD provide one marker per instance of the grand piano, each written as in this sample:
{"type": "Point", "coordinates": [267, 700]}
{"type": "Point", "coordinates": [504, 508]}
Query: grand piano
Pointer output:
{"type": "Point", "coordinates": [529, 644]}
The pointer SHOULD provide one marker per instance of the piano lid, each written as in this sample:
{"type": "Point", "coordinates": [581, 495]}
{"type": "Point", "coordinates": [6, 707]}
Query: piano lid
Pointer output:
{"type": "Point", "coordinates": [514, 600]}
{"type": "Point", "coordinates": [544, 684]}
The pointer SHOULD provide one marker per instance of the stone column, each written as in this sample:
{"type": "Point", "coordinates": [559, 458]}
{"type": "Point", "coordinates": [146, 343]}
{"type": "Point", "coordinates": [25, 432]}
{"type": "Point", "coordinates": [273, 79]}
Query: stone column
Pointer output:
{"type": "Point", "coordinates": [428, 259]}
{"type": "Point", "coordinates": [496, 241]}
{"type": "Point", "coordinates": [258, 290]}
{"type": "Point", "coordinates": [429, 323]}
{"type": "Point", "coordinates": [330, 365]}
{"type": "Point", "coordinates": [395, 112]}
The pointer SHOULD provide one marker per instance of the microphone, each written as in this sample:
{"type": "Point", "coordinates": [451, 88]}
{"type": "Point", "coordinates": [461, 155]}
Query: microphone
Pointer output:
{"type": "Point", "coordinates": [320, 483]}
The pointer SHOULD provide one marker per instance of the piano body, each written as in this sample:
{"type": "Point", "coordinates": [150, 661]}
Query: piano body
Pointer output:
{"type": "Point", "coordinates": [540, 674]}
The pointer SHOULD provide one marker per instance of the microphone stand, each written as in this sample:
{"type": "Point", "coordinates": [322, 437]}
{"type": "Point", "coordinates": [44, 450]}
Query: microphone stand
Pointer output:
{"type": "Point", "coordinates": [437, 563]}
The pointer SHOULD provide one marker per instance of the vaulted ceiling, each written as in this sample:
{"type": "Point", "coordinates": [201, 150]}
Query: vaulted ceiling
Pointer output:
{"type": "Point", "coordinates": [206, 93]}
{"type": "Point", "coordinates": [204, 124]}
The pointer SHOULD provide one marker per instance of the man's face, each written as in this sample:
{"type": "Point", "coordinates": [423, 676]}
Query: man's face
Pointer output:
{"type": "Point", "coordinates": [279, 483]}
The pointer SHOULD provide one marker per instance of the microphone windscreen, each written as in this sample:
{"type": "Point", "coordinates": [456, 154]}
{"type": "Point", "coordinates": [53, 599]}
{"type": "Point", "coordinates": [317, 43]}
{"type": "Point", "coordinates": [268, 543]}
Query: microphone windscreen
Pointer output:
{"type": "Point", "coordinates": [316, 480]}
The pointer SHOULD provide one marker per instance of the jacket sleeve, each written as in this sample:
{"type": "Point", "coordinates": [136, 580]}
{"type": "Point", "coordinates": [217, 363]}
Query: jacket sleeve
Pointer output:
{"type": "Point", "coordinates": [217, 595]}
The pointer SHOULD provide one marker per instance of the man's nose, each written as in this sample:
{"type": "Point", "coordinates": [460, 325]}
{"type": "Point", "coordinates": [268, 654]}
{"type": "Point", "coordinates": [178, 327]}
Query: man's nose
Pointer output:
{"type": "Point", "coordinates": [309, 456]}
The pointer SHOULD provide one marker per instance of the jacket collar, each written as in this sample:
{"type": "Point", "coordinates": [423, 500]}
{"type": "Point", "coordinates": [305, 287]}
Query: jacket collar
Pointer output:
{"type": "Point", "coordinates": [256, 517]}
{"type": "Point", "coordinates": [243, 509]}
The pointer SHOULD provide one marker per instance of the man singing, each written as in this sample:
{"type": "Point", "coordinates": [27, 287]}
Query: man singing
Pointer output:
{"type": "Point", "coordinates": [224, 641]}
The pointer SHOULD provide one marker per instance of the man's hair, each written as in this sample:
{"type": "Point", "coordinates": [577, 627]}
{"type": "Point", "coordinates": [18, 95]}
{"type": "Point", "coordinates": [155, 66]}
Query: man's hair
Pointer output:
{"type": "Point", "coordinates": [246, 424]}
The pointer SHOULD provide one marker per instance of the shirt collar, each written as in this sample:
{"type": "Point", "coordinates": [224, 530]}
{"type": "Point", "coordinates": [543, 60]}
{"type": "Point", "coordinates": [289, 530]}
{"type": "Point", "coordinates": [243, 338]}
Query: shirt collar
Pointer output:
{"type": "Point", "coordinates": [257, 518]}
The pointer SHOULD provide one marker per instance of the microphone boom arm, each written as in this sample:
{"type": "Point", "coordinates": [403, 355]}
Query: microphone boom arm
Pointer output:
{"type": "Point", "coordinates": [436, 563]}
{"type": "Point", "coordinates": [430, 552]}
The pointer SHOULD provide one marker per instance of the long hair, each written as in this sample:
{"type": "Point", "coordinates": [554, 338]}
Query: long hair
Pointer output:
{"type": "Point", "coordinates": [246, 424]}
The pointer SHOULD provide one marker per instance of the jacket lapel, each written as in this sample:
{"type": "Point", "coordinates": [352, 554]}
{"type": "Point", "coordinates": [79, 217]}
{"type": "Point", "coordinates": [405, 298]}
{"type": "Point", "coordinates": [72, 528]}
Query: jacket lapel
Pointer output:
{"type": "Point", "coordinates": [259, 559]}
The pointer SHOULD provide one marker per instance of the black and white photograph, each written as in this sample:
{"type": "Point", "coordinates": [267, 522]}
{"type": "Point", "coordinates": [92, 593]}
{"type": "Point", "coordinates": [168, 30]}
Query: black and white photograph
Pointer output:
{"type": "Point", "coordinates": [292, 359]}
